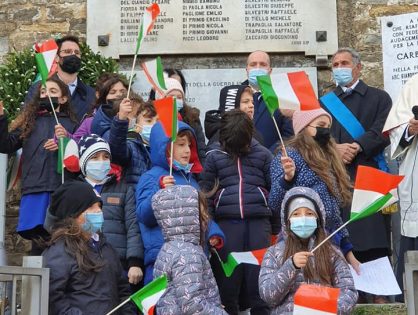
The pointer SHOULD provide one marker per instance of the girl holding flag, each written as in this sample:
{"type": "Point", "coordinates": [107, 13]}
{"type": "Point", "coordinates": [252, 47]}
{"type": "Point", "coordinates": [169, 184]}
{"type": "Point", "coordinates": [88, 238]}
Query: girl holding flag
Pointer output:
{"type": "Point", "coordinates": [33, 131]}
{"type": "Point", "coordinates": [290, 263]}
{"type": "Point", "coordinates": [313, 161]}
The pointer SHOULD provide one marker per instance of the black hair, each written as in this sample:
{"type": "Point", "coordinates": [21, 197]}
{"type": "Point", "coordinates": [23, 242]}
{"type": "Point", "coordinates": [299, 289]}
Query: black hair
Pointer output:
{"type": "Point", "coordinates": [67, 38]}
{"type": "Point", "coordinates": [236, 133]}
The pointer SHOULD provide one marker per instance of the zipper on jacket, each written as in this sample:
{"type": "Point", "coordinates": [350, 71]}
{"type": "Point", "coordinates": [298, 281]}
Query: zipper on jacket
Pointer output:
{"type": "Point", "coordinates": [241, 204]}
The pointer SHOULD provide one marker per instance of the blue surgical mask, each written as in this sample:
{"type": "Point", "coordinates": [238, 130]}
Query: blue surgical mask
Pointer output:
{"type": "Point", "coordinates": [185, 168]}
{"type": "Point", "coordinates": [94, 222]}
{"type": "Point", "coordinates": [342, 76]}
{"type": "Point", "coordinates": [97, 170]}
{"type": "Point", "coordinates": [254, 73]}
{"type": "Point", "coordinates": [146, 132]}
{"type": "Point", "coordinates": [303, 226]}
{"type": "Point", "coordinates": [180, 104]}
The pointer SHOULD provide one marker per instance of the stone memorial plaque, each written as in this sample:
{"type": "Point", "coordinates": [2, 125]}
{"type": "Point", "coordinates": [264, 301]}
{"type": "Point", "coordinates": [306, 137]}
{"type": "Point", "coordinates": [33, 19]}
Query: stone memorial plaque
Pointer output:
{"type": "Point", "coordinates": [400, 51]}
{"type": "Point", "coordinates": [204, 85]}
{"type": "Point", "coordinates": [215, 26]}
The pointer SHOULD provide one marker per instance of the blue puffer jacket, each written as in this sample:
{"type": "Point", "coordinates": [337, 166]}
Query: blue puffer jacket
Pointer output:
{"type": "Point", "coordinates": [244, 184]}
{"type": "Point", "coordinates": [130, 153]}
{"type": "Point", "coordinates": [149, 184]}
{"type": "Point", "coordinates": [101, 124]}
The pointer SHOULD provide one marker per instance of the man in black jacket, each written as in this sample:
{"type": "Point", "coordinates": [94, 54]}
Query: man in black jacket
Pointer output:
{"type": "Point", "coordinates": [69, 63]}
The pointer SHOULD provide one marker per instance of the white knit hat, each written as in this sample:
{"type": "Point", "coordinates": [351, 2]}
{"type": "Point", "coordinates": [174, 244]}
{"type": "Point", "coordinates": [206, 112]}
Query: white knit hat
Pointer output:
{"type": "Point", "coordinates": [303, 118]}
{"type": "Point", "coordinates": [171, 85]}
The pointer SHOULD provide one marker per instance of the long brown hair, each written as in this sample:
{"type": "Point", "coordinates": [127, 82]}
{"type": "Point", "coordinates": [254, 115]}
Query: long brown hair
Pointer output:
{"type": "Point", "coordinates": [323, 160]}
{"type": "Point", "coordinates": [76, 244]}
{"type": "Point", "coordinates": [203, 217]}
{"type": "Point", "coordinates": [26, 119]}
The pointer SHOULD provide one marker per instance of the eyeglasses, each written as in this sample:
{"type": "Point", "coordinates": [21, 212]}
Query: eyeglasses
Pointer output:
{"type": "Point", "coordinates": [67, 52]}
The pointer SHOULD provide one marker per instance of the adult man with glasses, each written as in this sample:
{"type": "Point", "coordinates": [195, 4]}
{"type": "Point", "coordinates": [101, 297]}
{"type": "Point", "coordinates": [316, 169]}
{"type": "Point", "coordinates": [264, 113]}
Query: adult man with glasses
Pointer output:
{"type": "Point", "coordinates": [69, 63]}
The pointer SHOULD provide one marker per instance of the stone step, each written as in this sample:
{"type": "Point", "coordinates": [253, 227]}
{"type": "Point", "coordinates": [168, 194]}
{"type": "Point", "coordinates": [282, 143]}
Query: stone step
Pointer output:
{"type": "Point", "coordinates": [380, 309]}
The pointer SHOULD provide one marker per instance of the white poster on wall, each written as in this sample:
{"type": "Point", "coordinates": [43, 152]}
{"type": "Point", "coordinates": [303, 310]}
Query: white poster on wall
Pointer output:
{"type": "Point", "coordinates": [204, 85]}
{"type": "Point", "coordinates": [400, 50]}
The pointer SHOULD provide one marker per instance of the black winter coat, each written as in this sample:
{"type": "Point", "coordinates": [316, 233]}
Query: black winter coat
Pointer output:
{"type": "Point", "coordinates": [39, 166]}
{"type": "Point", "coordinates": [73, 293]}
{"type": "Point", "coordinates": [244, 184]}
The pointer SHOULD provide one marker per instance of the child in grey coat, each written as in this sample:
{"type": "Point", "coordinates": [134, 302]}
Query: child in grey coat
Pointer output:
{"type": "Point", "coordinates": [191, 285]}
{"type": "Point", "coordinates": [290, 262]}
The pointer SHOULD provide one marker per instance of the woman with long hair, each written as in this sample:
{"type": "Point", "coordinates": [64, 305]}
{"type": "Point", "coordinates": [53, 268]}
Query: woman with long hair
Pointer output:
{"type": "Point", "coordinates": [290, 262]}
{"type": "Point", "coordinates": [33, 131]}
{"type": "Point", "coordinates": [313, 161]}
{"type": "Point", "coordinates": [86, 276]}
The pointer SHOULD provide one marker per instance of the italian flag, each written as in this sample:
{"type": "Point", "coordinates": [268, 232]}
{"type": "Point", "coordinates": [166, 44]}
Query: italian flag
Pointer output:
{"type": "Point", "coordinates": [154, 72]}
{"type": "Point", "coordinates": [373, 190]}
{"type": "Point", "coordinates": [147, 23]}
{"type": "Point", "coordinates": [316, 300]}
{"type": "Point", "coordinates": [45, 58]}
{"type": "Point", "coordinates": [291, 90]}
{"type": "Point", "coordinates": [14, 170]}
{"type": "Point", "coordinates": [68, 156]}
{"type": "Point", "coordinates": [254, 257]}
{"type": "Point", "coordinates": [167, 114]}
{"type": "Point", "coordinates": [148, 296]}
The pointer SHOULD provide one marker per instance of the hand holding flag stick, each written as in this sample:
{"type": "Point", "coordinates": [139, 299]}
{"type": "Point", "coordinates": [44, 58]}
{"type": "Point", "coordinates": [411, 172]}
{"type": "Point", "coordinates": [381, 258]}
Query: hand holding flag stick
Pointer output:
{"type": "Point", "coordinates": [373, 191]}
{"type": "Point", "coordinates": [147, 23]}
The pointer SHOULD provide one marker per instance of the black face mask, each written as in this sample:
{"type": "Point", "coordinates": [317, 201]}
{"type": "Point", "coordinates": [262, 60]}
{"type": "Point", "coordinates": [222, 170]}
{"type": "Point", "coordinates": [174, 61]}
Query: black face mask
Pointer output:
{"type": "Point", "coordinates": [71, 64]}
{"type": "Point", "coordinates": [44, 103]}
{"type": "Point", "coordinates": [323, 135]}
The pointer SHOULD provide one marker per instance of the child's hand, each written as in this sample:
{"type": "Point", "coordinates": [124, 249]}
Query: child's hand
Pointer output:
{"type": "Point", "coordinates": [135, 275]}
{"type": "Point", "coordinates": [215, 241]}
{"type": "Point", "coordinates": [1, 108]}
{"type": "Point", "coordinates": [125, 108]}
{"type": "Point", "coordinates": [300, 259]}
{"type": "Point", "coordinates": [352, 260]}
{"type": "Point", "coordinates": [50, 145]}
{"type": "Point", "coordinates": [60, 131]}
{"type": "Point", "coordinates": [288, 167]}
{"type": "Point", "coordinates": [168, 181]}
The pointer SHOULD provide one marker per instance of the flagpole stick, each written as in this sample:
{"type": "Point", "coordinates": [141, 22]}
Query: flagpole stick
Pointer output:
{"type": "Point", "coordinates": [280, 135]}
{"type": "Point", "coordinates": [171, 158]}
{"type": "Point", "coordinates": [132, 74]}
{"type": "Point", "coordinates": [329, 236]}
{"type": "Point", "coordinates": [119, 306]}
{"type": "Point", "coordinates": [59, 139]}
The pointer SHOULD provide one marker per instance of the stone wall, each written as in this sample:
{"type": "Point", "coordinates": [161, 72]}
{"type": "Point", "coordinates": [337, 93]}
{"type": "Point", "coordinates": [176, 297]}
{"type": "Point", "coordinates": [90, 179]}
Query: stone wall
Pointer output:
{"type": "Point", "coordinates": [22, 22]}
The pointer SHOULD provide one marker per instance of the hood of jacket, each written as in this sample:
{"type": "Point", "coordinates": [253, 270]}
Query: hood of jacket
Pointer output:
{"type": "Point", "coordinates": [176, 209]}
{"type": "Point", "coordinates": [212, 123]}
{"type": "Point", "coordinates": [159, 143]}
{"type": "Point", "coordinates": [305, 192]}
{"type": "Point", "coordinates": [101, 121]}
{"type": "Point", "coordinates": [230, 97]}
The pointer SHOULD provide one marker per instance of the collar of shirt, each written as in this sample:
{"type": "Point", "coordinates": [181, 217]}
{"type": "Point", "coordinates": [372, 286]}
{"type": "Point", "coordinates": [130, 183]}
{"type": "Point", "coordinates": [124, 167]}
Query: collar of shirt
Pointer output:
{"type": "Point", "coordinates": [350, 87]}
{"type": "Point", "coordinates": [72, 85]}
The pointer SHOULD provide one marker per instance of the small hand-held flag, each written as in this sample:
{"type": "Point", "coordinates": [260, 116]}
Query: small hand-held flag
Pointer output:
{"type": "Point", "coordinates": [311, 299]}
{"type": "Point", "coordinates": [147, 297]}
{"type": "Point", "coordinates": [147, 23]}
{"type": "Point", "coordinates": [154, 72]}
{"type": "Point", "coordinates": [49, 50]}
{"type": "Point", "coordinates": [167, 114]}
{"type": "Point", "coordinates": [254, 257]}
{"type": "Point", "coordinates": [68, 156]}
{"type": "Point", "coordinates": [373, 191]}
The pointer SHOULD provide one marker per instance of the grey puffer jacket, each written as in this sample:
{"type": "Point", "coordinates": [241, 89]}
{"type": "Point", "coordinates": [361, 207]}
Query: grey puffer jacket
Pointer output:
{"type": "Point", "coordinates": [191, 285]}
{"type": "Point", "coordinates": [278, 280]}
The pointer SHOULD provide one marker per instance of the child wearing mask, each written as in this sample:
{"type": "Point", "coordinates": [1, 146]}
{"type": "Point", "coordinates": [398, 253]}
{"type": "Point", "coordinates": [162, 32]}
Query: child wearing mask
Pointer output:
{"type": "Point", "coordinates": [183, 218]}
{"type": "Point", "coordinates": [290, 263]}
{"type": "Point", "coordinates": [128, 147]}
{"type": "Point", "coordinates": [238, 170]}
{"type": "Point", "coordinates": [86, 276]}
{"type": "Point", "coordinates": [33, 131]}
{"type": "Point", "coordinates": [313, 161]}
{"type": "Point", "coordinates": [186, 165]}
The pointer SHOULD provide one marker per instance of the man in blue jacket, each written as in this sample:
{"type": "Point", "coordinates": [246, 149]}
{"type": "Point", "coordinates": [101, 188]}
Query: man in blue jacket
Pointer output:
{"type": "Point", "coordinates": [258, 63]}
{"type": "Point", "coordinates": [69, 63]}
